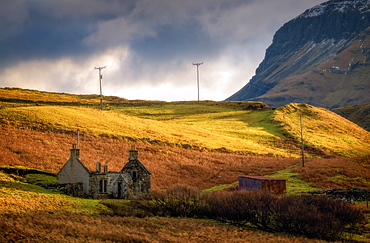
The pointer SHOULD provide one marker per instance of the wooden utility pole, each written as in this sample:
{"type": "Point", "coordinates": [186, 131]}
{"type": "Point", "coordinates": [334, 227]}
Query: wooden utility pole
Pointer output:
{"type": "Point", "coordinates": [78, 139]}
{"type": "Point", "coordinates": [198, 64]}
{"type": "Point", "coordinates": [302, 141]}
{"type": "Point", "coordinates": [101, 94]}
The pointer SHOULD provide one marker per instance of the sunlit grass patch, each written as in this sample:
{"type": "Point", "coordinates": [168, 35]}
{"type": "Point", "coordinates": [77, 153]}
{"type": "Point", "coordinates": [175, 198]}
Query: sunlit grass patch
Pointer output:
{"type": "Point", "coordinates": [217, 134]}
{"type": "Point", "coordinates": [240, 127]}
{"type": "Point", "coordinates": [17, 196]}
{"type": "Point", "coordinates": [41, 179]}
{"type": "Point", "coordinates": [294, 185]}
{"type": "Point", "coordinates": [221, 187]}
{"type": "Point", "coordinates": [323, 129]}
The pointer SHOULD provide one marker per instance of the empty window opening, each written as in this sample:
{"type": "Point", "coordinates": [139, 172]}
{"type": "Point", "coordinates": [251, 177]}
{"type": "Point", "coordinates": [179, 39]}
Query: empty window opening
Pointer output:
{"type": "Point", "coordinates": [134, 175]}
{"type": "Point", "coordinates": [103, 186]}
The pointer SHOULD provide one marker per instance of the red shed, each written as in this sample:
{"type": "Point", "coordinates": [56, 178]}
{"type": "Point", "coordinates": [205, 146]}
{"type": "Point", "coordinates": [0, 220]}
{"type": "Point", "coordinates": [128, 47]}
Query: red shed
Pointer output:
{"type": "Point", "coordinates": [262, 183]}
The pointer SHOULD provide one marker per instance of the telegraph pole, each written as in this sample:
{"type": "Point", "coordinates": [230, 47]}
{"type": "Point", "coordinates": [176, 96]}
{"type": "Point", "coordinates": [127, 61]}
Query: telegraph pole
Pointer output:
{"type": "Point", "coordinates": [101, 94]}
{"type": "Point", "coordinates": [198, 64]}
{"type": "Point", "coordinates": [302, 141]}
{"type": "Point", "coordinates": [78, 139]}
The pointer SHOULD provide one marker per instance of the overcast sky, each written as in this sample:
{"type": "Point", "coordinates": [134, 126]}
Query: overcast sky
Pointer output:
{"type": "Point", "coordinates": [147, 46]}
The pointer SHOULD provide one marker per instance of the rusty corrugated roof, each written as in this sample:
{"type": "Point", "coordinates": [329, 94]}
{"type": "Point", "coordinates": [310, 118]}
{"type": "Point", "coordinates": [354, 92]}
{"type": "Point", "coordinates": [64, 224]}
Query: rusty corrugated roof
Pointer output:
{"type": "Point", "coordinates": [263, 178]}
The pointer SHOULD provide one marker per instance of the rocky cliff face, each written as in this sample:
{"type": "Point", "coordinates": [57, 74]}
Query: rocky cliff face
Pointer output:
{"type": "Point", "coordinates": [295, 61]}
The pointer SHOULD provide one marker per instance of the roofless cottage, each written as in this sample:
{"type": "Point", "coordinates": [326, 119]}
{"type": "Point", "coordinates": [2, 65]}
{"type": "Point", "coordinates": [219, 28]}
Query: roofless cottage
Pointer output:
{"type": "Point", "coordinates": [132, 181]}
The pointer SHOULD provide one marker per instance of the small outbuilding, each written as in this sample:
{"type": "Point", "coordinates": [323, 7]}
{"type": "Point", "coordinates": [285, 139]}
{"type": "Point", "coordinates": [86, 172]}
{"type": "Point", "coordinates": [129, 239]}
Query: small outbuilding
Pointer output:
{"type": "Point", "coordinates": [262, 183]}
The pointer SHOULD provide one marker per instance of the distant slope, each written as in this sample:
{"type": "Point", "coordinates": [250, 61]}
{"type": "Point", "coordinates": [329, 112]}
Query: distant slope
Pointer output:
{"type": "Point", "coordinates": [32, 97]}
{"type": "Point", "coordinates": [321, 58]}
{"type": "Point", "coordinates": [359, 114]}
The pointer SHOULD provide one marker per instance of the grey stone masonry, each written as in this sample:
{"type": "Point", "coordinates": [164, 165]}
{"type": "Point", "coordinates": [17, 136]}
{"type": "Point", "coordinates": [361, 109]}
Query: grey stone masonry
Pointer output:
{"type": "Point", "coordinates": [133, 181]}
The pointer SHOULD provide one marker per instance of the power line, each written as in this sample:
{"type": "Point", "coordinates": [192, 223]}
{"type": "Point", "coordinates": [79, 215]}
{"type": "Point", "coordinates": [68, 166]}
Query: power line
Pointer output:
{"type": "Point", "coordinates": [101, 94]}
{"type": "Point", "coordinates": [198, 64]}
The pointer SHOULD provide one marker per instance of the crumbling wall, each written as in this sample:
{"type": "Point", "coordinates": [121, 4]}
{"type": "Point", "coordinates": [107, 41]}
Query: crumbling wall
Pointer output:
{"type": "Point", "coordinates": [72, 189]}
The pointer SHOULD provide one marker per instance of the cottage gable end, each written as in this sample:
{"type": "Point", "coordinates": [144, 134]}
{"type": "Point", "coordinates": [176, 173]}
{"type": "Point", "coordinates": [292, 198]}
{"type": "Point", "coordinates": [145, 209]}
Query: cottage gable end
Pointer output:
{"type": "Point", "coordinates": [140, 175]}
{"type": "Point", "coordinates": [74, 171]}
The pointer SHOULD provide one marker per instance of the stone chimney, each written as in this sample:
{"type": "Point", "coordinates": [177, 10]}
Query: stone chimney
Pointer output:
{"type": "Point", "coordinates": [133, 154]}
{"type": "Point", "coordinates": [105, 168]}
{"type": "Point", "coordinates": [98, 167]}
{"type": "Point", "coordinates": [75, 152]}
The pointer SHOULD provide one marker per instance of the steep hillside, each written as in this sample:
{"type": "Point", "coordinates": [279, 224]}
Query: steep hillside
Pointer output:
{"type": "Point", "coordinates": [359, 114]}
{"type": "Point", "coordinates": [319, 58]}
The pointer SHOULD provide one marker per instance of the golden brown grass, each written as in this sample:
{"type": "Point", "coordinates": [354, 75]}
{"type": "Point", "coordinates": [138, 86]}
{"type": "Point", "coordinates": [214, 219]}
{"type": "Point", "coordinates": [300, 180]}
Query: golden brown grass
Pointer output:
{"type": "Point", "coordinates": [29, 96]}
{"type": "Point", "coordinates": [210, 132]}
{"type": "Point", "coordinates": [240, 127]}
{"type": "Point", "coordinates": [323, 130]}
{"type": "Point", "coordinates": [28, 138]}
{"type": "Point", "coordinates": [60, 227]}
{"type": "Point", "coordinates": [49, 151]}
{"type": "Point", "coordinates": [336, 173]}
{"type": "Point", "coordinates": [17, 196]}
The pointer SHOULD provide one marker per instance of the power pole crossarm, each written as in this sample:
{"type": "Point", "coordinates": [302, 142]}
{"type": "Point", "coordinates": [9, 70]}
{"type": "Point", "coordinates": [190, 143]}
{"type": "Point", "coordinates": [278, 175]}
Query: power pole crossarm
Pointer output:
{"type": "Point", "coordinates": [198, 64]}
{"type": "Point", "coordinates": [101, 93]}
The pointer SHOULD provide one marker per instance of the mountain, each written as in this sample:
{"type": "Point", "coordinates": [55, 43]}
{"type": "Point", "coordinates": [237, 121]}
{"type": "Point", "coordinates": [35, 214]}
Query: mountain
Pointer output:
{"type": "Point", "coordinates": [321, 58]}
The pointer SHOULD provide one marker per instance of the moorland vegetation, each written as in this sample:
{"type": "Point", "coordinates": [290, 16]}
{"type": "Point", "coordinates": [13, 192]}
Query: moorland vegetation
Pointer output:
{"type": "Point", "coordinates": [203, 144]}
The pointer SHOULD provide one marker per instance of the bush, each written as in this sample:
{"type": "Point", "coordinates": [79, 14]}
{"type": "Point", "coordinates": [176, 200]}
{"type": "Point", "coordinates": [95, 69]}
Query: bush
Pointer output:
{"type": "Point", "coordinates": [315, 217]}
{"type": "Point", "coordinates": [242, 207]}
{"type": "Point", "coordinates": [312, 216]}
{"type": "Point", "coordinates": [177, 201]}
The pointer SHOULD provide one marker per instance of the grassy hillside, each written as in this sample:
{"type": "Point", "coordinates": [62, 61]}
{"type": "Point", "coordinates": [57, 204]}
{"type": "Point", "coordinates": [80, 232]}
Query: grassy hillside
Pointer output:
{"type": "Point", "coordinates": [239, 127]}
{"type": "Point", "coordinates": [323, 130]}
{"type": "Point", "coordinates": [203, 144]}
{"type": "Point", "coordinates": [208, 143]}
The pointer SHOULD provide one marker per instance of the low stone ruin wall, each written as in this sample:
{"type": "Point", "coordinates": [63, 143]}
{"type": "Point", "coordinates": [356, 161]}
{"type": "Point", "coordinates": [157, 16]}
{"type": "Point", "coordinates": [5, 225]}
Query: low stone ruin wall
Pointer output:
{"type": "Point", "coordinates": [354, 194]}
{"type": "Point", "coordinates": [72, 189]}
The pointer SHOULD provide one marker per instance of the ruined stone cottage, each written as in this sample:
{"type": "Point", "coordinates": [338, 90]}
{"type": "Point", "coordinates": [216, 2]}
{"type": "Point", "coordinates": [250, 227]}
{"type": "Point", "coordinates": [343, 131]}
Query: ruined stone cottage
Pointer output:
{"type": "Point", "coordinates": [132, 181]}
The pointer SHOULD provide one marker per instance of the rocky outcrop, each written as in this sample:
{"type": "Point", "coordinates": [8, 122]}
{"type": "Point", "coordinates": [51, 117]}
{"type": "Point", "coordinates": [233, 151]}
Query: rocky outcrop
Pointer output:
{"type": "Point", "coordinates": [303, 44]}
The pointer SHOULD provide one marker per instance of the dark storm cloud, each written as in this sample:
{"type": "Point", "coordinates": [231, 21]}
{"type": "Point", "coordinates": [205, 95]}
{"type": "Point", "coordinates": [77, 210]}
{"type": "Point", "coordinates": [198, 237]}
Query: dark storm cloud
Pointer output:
{"type": "Point", "coordinates": [146, 44]}
{"type": "Point", "coordinates": [37, 29]}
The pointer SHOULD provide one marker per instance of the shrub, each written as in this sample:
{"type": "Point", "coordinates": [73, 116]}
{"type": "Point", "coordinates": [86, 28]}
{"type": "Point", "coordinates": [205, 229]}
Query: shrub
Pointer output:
{"type": "Point", "coordinates": [315, 217]}
{"type": "Point", "coordinates": [242, 207]}
{"type": "Point", "coordinates": [177, 201]}
{"type": "Point", "coordinates": [312, 216]}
